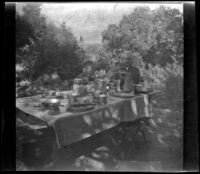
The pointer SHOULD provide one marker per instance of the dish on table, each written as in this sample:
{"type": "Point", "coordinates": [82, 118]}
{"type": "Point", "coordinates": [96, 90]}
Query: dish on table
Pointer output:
{"type": "Point", "coordinates": [80, 107]}
{"type": "Point", "coordinates": [123, 94]}
{"type": "Point", "coordinates": [47, 102]}
{"type": "Point", "coordinates": [143, 91]}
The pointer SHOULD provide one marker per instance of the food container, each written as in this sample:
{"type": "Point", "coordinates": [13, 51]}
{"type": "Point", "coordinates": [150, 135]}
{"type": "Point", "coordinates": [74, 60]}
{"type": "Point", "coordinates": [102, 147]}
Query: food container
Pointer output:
{"type": "Point", "coordinates": [102, 99]}
{"type": "Point", "coordinates": [54, 101]}
{"type": "Point", "coordinates": [54, 104]}
{"type": "Point", "coordinates": [78, 81]}
{"type": "Point", "coordinates": [59, 95]}
{"type": "Point", "coordinates": [52, 93]}
{"type": "Point", "coordinates": [112, 87]}
{"type": "Point", "coordinates": [44, 102]}
{"type": "Point", "coordinates": [78, 87]}
{"type": "Point", "coordinates": [101, 84]}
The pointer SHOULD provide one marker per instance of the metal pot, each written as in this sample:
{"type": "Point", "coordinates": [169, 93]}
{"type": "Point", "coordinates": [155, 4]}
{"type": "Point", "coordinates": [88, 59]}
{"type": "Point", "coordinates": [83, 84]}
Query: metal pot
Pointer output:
{"type": "Point", "coordinates": [54, 104]}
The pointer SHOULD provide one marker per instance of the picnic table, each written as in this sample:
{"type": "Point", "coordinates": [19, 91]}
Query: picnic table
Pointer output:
{"type": "Point", "coordinates": [72, 127]}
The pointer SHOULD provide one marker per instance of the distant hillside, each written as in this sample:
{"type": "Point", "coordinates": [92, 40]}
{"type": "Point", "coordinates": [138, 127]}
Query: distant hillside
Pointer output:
{"type": "Point", "coordinates": [87, 21]}
{"type": "Point", "coordinates": [91, 49]}
{"type": "Point", "coordinates": [90, 25]}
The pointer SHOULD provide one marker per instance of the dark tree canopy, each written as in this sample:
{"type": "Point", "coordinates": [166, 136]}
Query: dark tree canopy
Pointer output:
{"type": "Point", "coordinates": [46, 48]}
{"type": "Point", "coordinates": [24, 31]}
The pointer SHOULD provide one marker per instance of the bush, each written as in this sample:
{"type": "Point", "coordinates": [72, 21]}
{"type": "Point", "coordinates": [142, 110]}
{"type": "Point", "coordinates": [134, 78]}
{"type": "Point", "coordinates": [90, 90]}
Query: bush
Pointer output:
{"type": "Point", "coordinates": [170, 80]}
{"type": "Point", "coordinates": [174, 86]}
{"type": "Point", "coordinates": [54, 48]}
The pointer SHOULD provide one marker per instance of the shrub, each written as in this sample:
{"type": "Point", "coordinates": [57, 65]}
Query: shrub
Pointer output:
{"type": "Point", "coordinates": [174, 86]}
{"type": "Point", "coordinates": [170, 80]}
{"type": "Point", "coordinates": [154, 76]}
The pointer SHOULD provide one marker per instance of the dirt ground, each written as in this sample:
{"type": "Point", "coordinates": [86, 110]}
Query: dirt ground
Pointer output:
{"type": "Point", "coordinates": [162, 151]}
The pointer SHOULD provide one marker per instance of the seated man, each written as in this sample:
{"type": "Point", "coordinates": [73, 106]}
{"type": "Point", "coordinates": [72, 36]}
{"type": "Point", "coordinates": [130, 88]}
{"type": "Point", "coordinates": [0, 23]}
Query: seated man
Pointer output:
{"type": "Point", "coordinates": [87, 75]}
{"type": "Point", "coordinates": [130, 73]}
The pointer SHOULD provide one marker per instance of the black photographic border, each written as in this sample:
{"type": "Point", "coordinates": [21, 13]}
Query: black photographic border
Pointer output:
{"type": "Point", "coordinates": [8, 129]}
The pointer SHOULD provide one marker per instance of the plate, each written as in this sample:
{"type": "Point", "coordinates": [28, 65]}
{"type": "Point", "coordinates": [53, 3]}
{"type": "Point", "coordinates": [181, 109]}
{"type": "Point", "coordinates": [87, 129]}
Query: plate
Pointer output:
{"type": "Point", "coordinates": [143, 91]}
{"type": "Point", "coordinates": [123, 95]}
{"type": "Point", "coordinates": [81, 107]}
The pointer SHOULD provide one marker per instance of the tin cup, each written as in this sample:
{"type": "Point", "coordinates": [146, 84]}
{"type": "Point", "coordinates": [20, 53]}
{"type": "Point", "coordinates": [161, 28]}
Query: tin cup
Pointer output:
{"type": "Point", "coordinates": [54, 105]}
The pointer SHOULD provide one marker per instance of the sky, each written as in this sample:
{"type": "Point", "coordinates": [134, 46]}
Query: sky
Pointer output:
{"type": "Point", "coordinates": [90, 19]}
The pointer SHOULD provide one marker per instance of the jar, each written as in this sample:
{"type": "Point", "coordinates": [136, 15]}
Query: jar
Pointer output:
{"type": "Point", "coordinates": [54, 104]}
{"type": "Point", "coordinates": [71, 98]}
{"type": "Point", "coordinates": [101, 84]}
{"type": "Point", "coordinates": [77, 86]}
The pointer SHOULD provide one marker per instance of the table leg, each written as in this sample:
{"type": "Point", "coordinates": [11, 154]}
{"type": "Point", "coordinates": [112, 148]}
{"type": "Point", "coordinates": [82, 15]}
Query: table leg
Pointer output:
{"type": "Point", "coordinates": [68, 154]}
{"type": "Point", "coordinates": [151, 121]}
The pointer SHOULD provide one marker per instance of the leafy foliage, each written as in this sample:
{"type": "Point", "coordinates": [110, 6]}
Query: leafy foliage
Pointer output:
{"type": "Point", "coordinates": [170, 80]}
{"type": "Point", "coordinates": [154, 41]}
{"type": "Point", "coordinates": [53, 49]}
{"type": "Point", "coordinates": [156, 36]}
{"type": "Point", "coordinates": [24, 31]}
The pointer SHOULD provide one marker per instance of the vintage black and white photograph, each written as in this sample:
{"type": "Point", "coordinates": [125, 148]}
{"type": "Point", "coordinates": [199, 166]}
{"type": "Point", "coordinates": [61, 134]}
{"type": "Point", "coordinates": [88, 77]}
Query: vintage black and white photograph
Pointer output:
{"type": "Point", "coordinates": [99, 86]}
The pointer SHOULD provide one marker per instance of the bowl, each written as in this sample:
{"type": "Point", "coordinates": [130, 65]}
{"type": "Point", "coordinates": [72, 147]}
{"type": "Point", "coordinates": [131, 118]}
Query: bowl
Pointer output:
{"type": "Point", "coordinates": [54, 101]}
{"type": "Point", "coordinates": [54, 104]}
